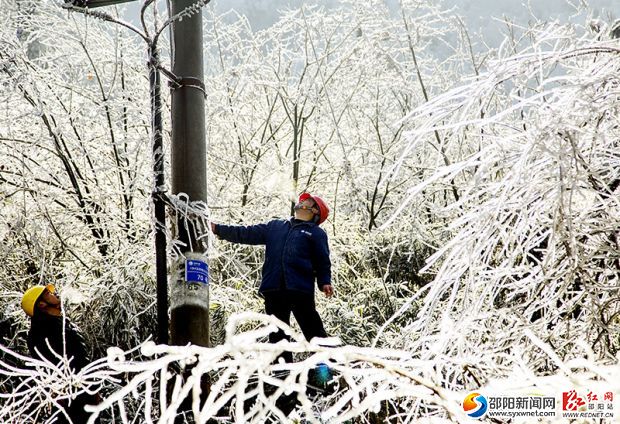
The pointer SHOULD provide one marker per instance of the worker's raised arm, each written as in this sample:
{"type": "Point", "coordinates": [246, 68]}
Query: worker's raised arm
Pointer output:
{"type": "Point", "coordinates": [250, 234]}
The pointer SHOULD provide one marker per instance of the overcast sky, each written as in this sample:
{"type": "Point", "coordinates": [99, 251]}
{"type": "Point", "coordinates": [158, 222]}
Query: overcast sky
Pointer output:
{"type": "Point", "coordinates": [478, 14]}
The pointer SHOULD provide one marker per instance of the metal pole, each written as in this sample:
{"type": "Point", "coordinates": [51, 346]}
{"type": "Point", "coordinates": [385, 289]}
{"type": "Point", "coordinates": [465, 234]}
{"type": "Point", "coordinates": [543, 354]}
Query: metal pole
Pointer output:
{"type": "Point", "coordinates": [189, 321]}
{"type": "Point", "coordinates": [158, 200]}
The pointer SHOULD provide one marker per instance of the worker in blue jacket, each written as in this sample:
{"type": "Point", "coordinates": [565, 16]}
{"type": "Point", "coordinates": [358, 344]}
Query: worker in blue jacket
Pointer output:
{"type": "Point", "coordinates": [296, 255]}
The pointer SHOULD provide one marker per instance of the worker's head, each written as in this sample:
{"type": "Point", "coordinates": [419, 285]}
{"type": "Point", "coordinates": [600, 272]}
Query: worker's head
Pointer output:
{"type": "Point", "coordinates": [311, 208]}
{"type": "Point", "coordinates": [41, 299]}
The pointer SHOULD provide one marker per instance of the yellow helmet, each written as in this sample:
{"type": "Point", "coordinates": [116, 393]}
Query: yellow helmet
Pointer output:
{"type": "Point", "coordinates": [30, 297]}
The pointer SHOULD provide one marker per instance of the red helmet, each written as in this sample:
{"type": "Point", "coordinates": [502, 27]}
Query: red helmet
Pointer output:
{"type": "Point", "coordinates": [323, 209]}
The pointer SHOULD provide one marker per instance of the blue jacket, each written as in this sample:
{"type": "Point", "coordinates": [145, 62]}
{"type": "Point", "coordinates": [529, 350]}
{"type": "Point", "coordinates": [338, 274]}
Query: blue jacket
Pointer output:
{"type": "Point", "coordinates": [296, 252]}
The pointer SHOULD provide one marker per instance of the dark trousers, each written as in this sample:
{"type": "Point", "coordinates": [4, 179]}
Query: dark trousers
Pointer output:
{"type": "Point", "coordinates": [281, 303]}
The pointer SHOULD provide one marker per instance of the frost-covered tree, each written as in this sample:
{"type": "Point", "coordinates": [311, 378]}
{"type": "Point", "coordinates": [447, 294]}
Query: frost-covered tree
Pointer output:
{"type": "Point", "coordinates": [74, 183]}
{"type": "Point", "coordinates": [526, 275]}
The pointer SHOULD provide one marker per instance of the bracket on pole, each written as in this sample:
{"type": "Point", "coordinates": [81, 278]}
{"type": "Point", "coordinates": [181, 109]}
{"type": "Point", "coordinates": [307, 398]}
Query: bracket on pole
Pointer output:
{"type": "Point", "coordinates": [189, 82]}
{"type": "Point", "coordinates": [175, 82]}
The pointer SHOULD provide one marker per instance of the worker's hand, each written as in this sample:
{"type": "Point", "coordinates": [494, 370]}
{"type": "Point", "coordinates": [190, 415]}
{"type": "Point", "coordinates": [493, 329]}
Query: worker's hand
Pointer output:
{"type": "Point", "coordinates": [328, 290]}
{"type": "Point", "coordinates": [212, 227]}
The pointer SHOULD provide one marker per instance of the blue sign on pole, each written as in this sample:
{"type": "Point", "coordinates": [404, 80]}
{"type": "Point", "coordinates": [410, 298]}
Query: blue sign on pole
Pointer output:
{"type": "Point", "coordinates": [196, 271]}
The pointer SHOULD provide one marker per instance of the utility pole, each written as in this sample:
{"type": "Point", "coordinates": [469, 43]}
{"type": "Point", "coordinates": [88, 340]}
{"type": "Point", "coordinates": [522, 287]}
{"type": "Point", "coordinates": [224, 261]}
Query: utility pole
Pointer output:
{"type": "Point", "coordinates": [159, 206]}
{"type": "Point", "coordinates": [189, 290]}
{"type": "Point", "coordinates": [158, 194]}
